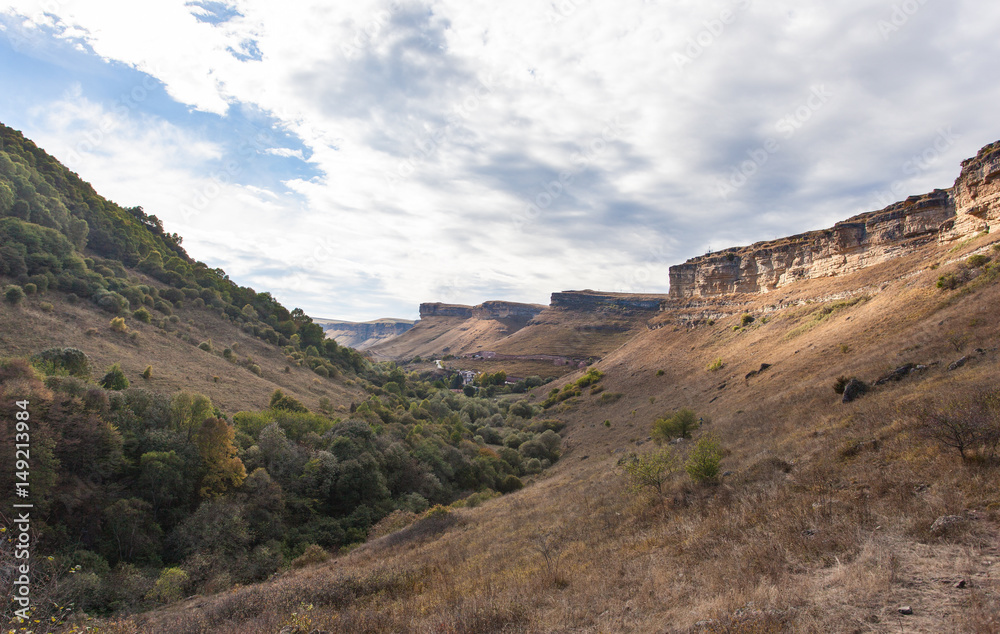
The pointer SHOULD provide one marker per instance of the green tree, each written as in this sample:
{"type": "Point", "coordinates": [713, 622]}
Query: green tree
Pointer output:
{"type": "Point", "coordinates": [188, 412]}
{"type": "Point", "coordinates": [223, 470]}
{"type": "Point", "coordinates": [649, 470]}
{"type": "Point", "coordinates": [170, 586]}
{"type": "Point", "coordinates": [115, 379]}
{"type": "Point", "coordinates": [680, 424]}
{"type": "Point", "coordinates": [13, 294]}
{"type": "Point", "coordinates": [703, 463]}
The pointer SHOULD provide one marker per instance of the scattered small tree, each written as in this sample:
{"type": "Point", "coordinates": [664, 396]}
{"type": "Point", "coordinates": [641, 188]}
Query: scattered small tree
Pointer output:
{"type": "Point", "coordinates": [649, 470]}
{"type": "Point", "coordinates": [13, 294]}
{"type": "Point", "coordinates": [143, 315]}
{"type": "Point", "coordinates": [680, 424]}
{"type": "Point", "coordinates": [148, 372]}
{"type": "Point", "coordinates": [703, 463]}
{"type": "Point", "coordinates": [115, 379]}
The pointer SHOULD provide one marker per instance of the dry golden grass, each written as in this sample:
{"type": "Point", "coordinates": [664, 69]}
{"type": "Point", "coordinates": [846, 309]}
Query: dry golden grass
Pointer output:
{"type": "Point", "coordinates": [178, 364]}
{"type": "Point", "coordinates": [822, 523]}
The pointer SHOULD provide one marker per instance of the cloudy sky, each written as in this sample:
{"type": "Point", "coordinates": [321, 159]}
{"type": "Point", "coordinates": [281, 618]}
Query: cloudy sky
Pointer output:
{"type": "Point", "coordinates": [358, 158]}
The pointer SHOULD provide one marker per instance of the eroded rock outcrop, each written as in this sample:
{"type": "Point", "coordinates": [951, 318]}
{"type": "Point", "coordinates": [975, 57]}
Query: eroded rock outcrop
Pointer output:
{"type": "Point", "coordinates": [589, 300]}
{"type": "Point", "coordinates": [496, 309]}
{"type": "Point", "coordinates": [362, 335]}
{"type": "Point", "coordinates": [970, 206]}
{"type": "Point", "coordinates": [437, 309]}
{"type": "Point", "coordinates": [977, 194]}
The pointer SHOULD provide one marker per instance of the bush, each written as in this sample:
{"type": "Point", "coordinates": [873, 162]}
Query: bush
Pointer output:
{"type": "Point", "coordinates": [973, 262]}
{"type": "Point", "coordinates": [746, 320]}
{"type": "Point", "coordinates": [949, 281]}
{"type": "Point", "coordinates": [118, 324]}
{"type": "Point", "coordinates": [170, 586]}
{"type": "Point", "coordinates": [163, 307]}
{"type": "Point", "coordinates": [206, 346]}
{"type": "Point", "coordinates": [148, 372]}
{"type": "Point", "coordinates": [112, 302]}
{"type": "Point", "coordinates": [703, 463]}
{"type": "Point", "coordinates": [717, 364]}
{"type": "Point", "coordinates": [510, 484]}
{"type": "Point", "coordinates": [30, 289]}
{"type": "Point", "coordinates": [680, 424]}
{"type": "Point", "coordinates": [115, 379]}
{"type": "Point", "coordinates": [13, 294]}
{"type": "Point", "coordinates": [63, 361]}
{"type": "Point", "coordinates": [313, 555]}
{"type": "Point", "coordinates": [255, 369]}
{"type": "Point", "coordinates": [143, 315]}
{"type": "Point", "coordinates": [659, 373]}
{"type": "Point", "coordinates": [841, 383]}
{"type": "Point", "coordinates": [46, 307]}
{"type": "Point", "coordinates": [649, 470]}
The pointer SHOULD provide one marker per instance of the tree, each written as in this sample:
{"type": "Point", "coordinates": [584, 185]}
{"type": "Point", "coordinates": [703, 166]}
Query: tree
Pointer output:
{"type": "Point", "coordinates": [115, 379]}
{"type": "Point", "coordinates": [279, 400]}
{"type": "Point", "coordinates": [649, 470]}
{"type": "Point", "coordinates": [703, 463]}
{"type": "Point", "coordinates": [680, 424]}
{"type": "Point", "coordinates": [188, 411]}
{"type": "Point", "coordinates": [222, 468]}
{"type": "Point", "coordinates": [13, 294]}
{"type": "Point", "coordinates": [133, 532]}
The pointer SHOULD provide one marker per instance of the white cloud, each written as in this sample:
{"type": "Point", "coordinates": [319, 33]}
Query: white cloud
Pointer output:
{"type": "Point", "coordinates": [436, 126]}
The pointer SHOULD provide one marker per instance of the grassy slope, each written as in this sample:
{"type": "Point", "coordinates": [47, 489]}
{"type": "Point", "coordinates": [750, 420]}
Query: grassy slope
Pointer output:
{"type": "Point", "coordinates": [177, 365]}
{"type": "Point", "coordinates": [816, 528]}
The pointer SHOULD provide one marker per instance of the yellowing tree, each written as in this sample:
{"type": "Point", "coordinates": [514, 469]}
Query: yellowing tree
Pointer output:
{"type": "Point", "coordinates": [222, 467]}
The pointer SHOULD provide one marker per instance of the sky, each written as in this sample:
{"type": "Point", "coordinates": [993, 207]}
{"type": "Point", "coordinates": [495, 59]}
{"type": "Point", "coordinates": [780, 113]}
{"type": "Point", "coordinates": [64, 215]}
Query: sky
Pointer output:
{"type": "Point", "coordinates": [358, 158]}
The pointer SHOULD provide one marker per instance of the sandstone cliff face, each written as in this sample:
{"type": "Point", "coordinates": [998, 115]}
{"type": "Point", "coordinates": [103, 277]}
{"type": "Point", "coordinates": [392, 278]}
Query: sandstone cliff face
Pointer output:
{"type": "Point", "coordinates": [971, 205]}
{"type": "Point", "coordinates": [361, 335]}
{"type": "Point", "coordinates": [594, 301]}
{"type": "Point", "coordinates": [438, 309]}
{"type": "Point", "coordinates": [977, 194]}
{"type": "Point", "coordinates": [487, 310]}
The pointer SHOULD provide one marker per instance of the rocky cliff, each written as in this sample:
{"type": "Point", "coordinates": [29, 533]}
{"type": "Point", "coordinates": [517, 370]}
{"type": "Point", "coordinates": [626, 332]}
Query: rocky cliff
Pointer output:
{"type": "Point", "coordinates": [486, 310]}
{"type": "Point", "coordinates": [589, 300]}
{"type": "Point", "coordinates": [971, 205]}
{"type": "Point", "coordinates": [361, 335]}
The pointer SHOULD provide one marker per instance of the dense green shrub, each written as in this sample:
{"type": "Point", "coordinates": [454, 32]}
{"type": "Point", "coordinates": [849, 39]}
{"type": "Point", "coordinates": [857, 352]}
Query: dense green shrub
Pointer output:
{"type": "Point", "coordinates": [13, 295]}
{"type": "Point", "coordinates": [114, 379]}
{"type": "Point", "coordinates": [143, 315]}
{"type": "Point", "coordinates": [63, 362]}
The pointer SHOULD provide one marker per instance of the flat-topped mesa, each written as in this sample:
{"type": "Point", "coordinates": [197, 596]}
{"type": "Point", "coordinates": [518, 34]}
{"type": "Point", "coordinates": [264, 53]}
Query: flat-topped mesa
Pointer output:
{"type": "Point", "coordinates": [589, 300]}
{"type": "Point", "coordinates": [977, 194]}
{"type": "Point", "coordinates": [437, 309]}
{"type": "Point", "coordinates": [496, 309]}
